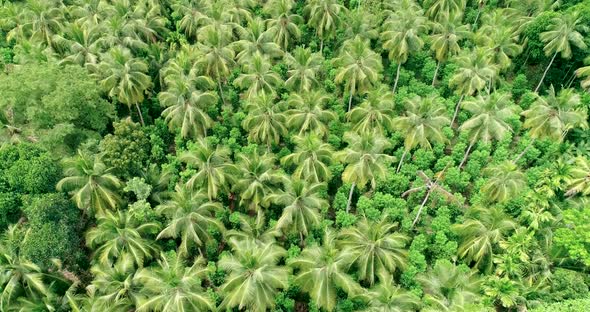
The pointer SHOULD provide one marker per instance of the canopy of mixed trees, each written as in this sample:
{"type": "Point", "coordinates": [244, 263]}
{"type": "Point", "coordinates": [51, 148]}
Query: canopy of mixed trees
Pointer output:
{"type": "Point", "coordinates": [282, 155]}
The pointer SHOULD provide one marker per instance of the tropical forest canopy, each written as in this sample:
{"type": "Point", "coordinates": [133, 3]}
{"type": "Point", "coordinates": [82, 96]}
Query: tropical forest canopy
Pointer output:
{"type": "Point", "coordinates": [281, 155]}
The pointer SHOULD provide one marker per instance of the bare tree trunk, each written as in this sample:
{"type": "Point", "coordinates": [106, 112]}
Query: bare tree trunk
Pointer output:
{"type": "Point", "coordinates": [350, 102]}
{"type": "Point", "coordinates": [421, 207]}
{"type": "Point", "coordinates": [466, 153]}
{"type": "Point", "coordinates": [524, 151]}
{"type": "Point", "coordinates": [435, 73]}
{"type": "Point", "coordinates": [220, 91]}
{"type": "Point", "coordinates": [396, 77]}
{"type": "Point", "coordinates": [350, 197]}
{"type": "Point", "coordinates": [321, 45]}
{"type": "Point", "coordinates": [401, 160]}
{"type": "Point", "coordinates": [476, 19]}
{"type": "Point", "coordinates": [140, 115]}
{"type": "Point", "coordinates": [545, 73]}
{"type": "Point", "coordinates": [457, 110]}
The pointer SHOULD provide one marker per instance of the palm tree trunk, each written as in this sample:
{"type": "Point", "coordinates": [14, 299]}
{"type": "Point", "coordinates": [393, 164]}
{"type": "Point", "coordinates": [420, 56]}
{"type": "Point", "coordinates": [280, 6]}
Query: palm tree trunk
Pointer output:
{"type": "Point", "coordinates": [140, 115]}
{"type": "Point", "coordinates": [401, 161]}
{"type": "Point", "coordinates": [350, 101]}
{"type": "Point", "coordinates": [321, 45]}
{"type": "Point", "coordinates": [476, 19]}
{"type": "Point", "coordinates": [421, 207]}
{"type": "Point", "coordinates": [524, 151]}
{"type": "Point", "coordinates": [350, 197]}
{"type": "Point", "coordinates": [435, 73]}
{"type": "Point", "coordinates": [396, 77]}
{"type": "Point", "coordinates": [467, 153]}
{"type": "Point", "coordinates": [220, 91]}
{"type": "Point", "coordinates": [457, 110]}
{"type": "Point", "coordinates": [545, 73]}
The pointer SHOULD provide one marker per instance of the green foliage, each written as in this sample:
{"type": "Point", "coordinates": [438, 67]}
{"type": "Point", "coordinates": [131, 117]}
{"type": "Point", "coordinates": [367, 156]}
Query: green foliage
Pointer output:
{"type": "Point", "coordinates": [127, 150]}
{"type": "Point", "coordinates": [28, 169]}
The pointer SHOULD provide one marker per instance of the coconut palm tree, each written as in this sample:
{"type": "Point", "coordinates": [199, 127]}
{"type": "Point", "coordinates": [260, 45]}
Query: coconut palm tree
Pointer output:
{"type": "Point", "coordinates": [365, 159]}
{"type": "Point", "coordinates": [186, 108]}
{"type": "Point", "coordinates": [439, 8]}
{"type": "Point", "coordinates": [308, 113]}
{"type": "Point", "coordinates": [256, 180]}
{"type": "Point", "coordinates": [21, 277]}
{"type": "Point", "coordinates": [401, 36]}
{"type": "Point", "coordinates": [213, 167]}
{"type": "Point", "coordinates": [553, 116]}
{"type": "Point", "coordinates": [79, 44]}
{"type": "Point", "coordinates": [321, 270]}
{"type": "Point", "coordinates": [359, 67]}
{"type": "Point", "coordinates": [191, 214]}
{"type": "Point", "coordinates": [489, 120]}
{"type": "Point", "coordinates": [258, 77]}
{"type": "Point", "coordinates": [562, 33]}
{"type": "Point", "coordinates": [171, 286]}
{"type": "Point", "coordinates": [362, 23]}
{"type": "Point", "coordinates": [124, 77]}
{"type": "Point", "coordinates": [475, 72]}
{"type": "Point", "coordinates": [255, 40]}
{"type": "Point", "coordinates": [304, 67]}
{"type": "Point", "coordinates": [578, 179]}
{"type": "Point", "coordinates": [375, 113]}
{"type": "Point", "coordinates": [448, 287]}
{"type": "Point", "coordinates": [192, 16]}
{"type": "Point", "coordinates": [480, 232]}
{"type": "Point", "coordinates": [253, 228]}
{"type": "Point", "coordinates": [585, 72]}
{"type": "Point", "coordinates": [502, 42]}
{"type": "Point", "coordinates": [118, 234]}
{"type": "Point", "coordinates": [217, 57]}
{"type": "Point", "coordinates": [374, 248]}
{"type": "Point", "coordinates": [113, 286]}
{"type": "Point", "coordinates": [266, 121]}
{"type": "Point", "coordinates": [324, 17]}
{"type": "Point", "coordinates": [312, 157]}
{"type": "Point", "coordinates": [386, 296]}
{"type": "Point", "coordinates": [302, 203]}
{"type": "Point", "coordinates": [93, 187]}
{"type": "Point", "coordinates": [505, 181]}
{"type": "Point", "coordinates": [446, 35]}
{"type": "Point", "coordinates": [254, 275]}
{"type": "Point", "coordinates": [422, 125]}
{"type": "Point", "coordinates": [183, 66]}
{"type": "Point", "coordinates": [283, 25]}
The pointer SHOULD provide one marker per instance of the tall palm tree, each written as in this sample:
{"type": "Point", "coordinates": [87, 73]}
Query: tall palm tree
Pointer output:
{"type": "Point", "coordinates": [578, 180]}
{"type": "Point", "coordinates": [304, 67]}
{"type": "Point", "coordinates": [308, 113]}
{"type": "Point", "coordinates": [20, 277]}
{"type": "Point", "coordinates": [475, 72]}
{"type": "Point", "coordinates": [266, 121]}
{"type": "Point", "coordinates": [489, 120]}
{"type": "Point", "coordinates": [553, 116]}
{"type": "Point", "coordinates": [312, 157]}
{"type": "Point", "coordinates": [302, 203]}
{"type": "Point", "coordinates": [365, 159]}
{"type": "Point", "coordinates": [361, 22]}
{"type": "Point", "coordinates": [439, 8]}
{"type": "Point", "coordinates": [254, 275]}
{"type": "Point", "coordinates": [562, 33]}
{"type": "Point", "coordinates": [505, 181]}
{"type": "Point", "coordinates": [422, 125]}
{"type": "Point", "coordinates": [257, 179]}
{"type": "Point", "coordinates": [113, 285]}
{"type": "Point", "coordinates": [258, 77]}
{"type": "Point", "coordinates": [358, 67]}
{"type": "Point", "coordinates": [217, 59]}
{"type": "Point", "coordinates": [191, 214]}
{"type": "Point", "coordinates": [172, 286]}
{"type": "Point", "coordinates": [374, 248]}
{"type": "Point", "coordinates": [79, 43]}
{"type": "Point", "coordinates": [255, 40]}
{"type": "Point", "coordinates": [375, 113]}
{"type": "Point", "coordinates": [253, 228]}
{"type": "Point", "coordinates": [503, 43]}
{"type": "Point", "coordinates": [183, 66]}
{"type": "Point", "coordinates": [480, 232]}
{"type": "Point", "coordinates": [43, 19]}
{"type": "Point", "coordinates": [192, 16]}
{"type": "Point", "coordinates": [213, 167]}
{"type": "Point", "coordinates": [585, 72]}
{"type": "Point", "coordinates": [324, 17]}
{"type": "Point", "coordinates": [93, 187]}
{"type": "Point", "coordinates": [449, 288]}
{"type": "Point", "coordinates": [401, 36]}
{"type": "Point", "coordinates": [321, 270]}
{"type": "Point", "coordinates": [386, 296]}
{"type": "Point", "coordinates": [118, 234]}
{"type": "Point", "coordinates": [283, 25]}
{"type": "Point", "coordinates": [186, 108]}
{"type": "Point", "coordinates": [446, 35]}
{"type": "Point", "coordinates": [124, 77]}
